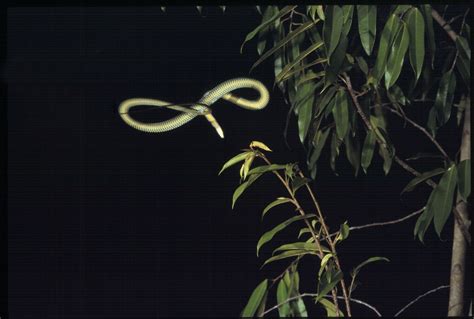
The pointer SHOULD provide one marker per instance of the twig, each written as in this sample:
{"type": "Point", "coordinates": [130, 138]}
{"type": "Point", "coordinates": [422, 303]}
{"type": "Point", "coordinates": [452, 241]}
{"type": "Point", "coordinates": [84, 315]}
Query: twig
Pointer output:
{"type": "Point", "coordinates": [422, 129]}
{"type": "Point", "coordinates": [419, 297]}
{"type": "Point", "coordinates": [446, 26]}
{"type": "Point", "coordinates": [415, 213]}
{"type": "Point", "coordinates": [315, 295]}
{"type": "Point", "coordinates": [366, 121]}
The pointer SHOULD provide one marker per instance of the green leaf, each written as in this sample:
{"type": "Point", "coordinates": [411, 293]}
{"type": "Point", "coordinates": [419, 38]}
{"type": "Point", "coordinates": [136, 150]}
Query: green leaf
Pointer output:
{"type": "Point", "coordinates": [288, 67]}
{"type": "Point", "coordinates": [266, 168]}
{"type": "Point", "coordinates": [397, 56]}
{"type": "Point", "coordinates": [324, 261]}
{"type": "Point", "coordinates": [309, 76]}
{"type": "Point", "coordinates": [297, 182]}
{"type": "Point", "coordinates": [463, 63]}
{"type": "Point", "coordinates": [291, 72]}
{"type": "Point", "coordinates": [335, 144]}
{"type": "Point", "coordinates": [431, 123]}
{"type": "Point", "coordinates": [277, 15]}
{"type": "Point", "coordinates": [268, 13]}
{"type": "Point", "coordinates": [343, 232]}
{"type": "Point", "coordinates": [301, 246]}
{"type": "Point", "coordinates": [442, 202]}
{"type": "Point", "coordinates": [367, 18]}
{"type": "Point", "coordinates": [199, 9]}
{"type": "Point", "coordinates": [464, 178]}
{"type": "Point", "coordinates": [305, 26]}
{"type": "Point", "coordinates": [276, 202]}
{"type": "Point", "coordinates": [325, 286]}
{"type": "Point", "coordinates": [163, 9]}
{"type": "Point", "coordinates": [304, 106]}
{"type": "Point", "coordinates": [242, 187]}
{"type": "Point", "coordinates": [368, 150]}
{"type": "Point", "coordinates": [222, 8]}
{"type": "Point", "coordinates": [255, 300]}
{"type": "Point", "coordinates": [426, 10]}
{"type": "Point", "coordinates": [282, 296]}
{"type": "Point", "coordinates": [362, 65]}
{"type": "Point", "coordinates": [395, 95]}
{"type": "Point", "coordinates": [271, 233]}
{"type": "Point", "coordinates": [423, 222]}
{"type": "Point", "coordinates": [357, 269]}
{"type": "Point", "coordinates": [347, 13]}
{"type": "Point", "coordinates": [288, 254]}
{"type": "Point", "coordinates": [320, 12]}
{"type": "Point", "coordinates": [324, 99]}
{"type": "Point", "coordinates": [420, 179]}
{"type": "Point", "coordinates": [246, 166]}
{"type": "Point", "coordinates": [330, 308]}
{"type": "Point", "coordinates": [444, 97]}
{"type": "Point", "coordinates": [387, 159]}
{"type": "Point", "coordinates": [416, 29]}
{"type": "Point", "coordinates": [388, 33]}
{"type": "Point", "coordinates": [353, 151]}
{"type": "Point", "coordinates": [318, 142]}
{"type": "Point", "coordinates": [234, 160]}
{"type": "Point", "coordinates": [332, 28]}
{"type": "Point", "coordinates": [341, 114]}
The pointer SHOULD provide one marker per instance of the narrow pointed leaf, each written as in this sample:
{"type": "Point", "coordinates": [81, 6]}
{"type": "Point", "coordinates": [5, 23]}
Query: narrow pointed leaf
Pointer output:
{"type": "Point", "coordinates": [304, 106]}
{"type": "Point", "coordinates": [388, 33]}
{"type": "Point", "coordinates": [271, 233]}
{"type": "Point", "coordinates": [277, 15]}
{"type": "Point", "coordinates": [278, 201]}
{"type": "Point", "coordinates": [426, 10]}
{"type": "Point", "coordinates": [443, 196]}
{"type": "Point", "coordinates": [255, 300]}
{"type": "Point", "coordinates": [288, 254]}
{"type": "Point", "coordinates": [288, 67]}
{"type": "Point", "coordinates": [367, 18]}
{"type": "Point", "coordinates": [330, 308]}
{"type": "Point", "coordinates": [311, 246]}
{"type": "Point", "coordinates": [423, 177]}
{"type": "Point", "coordinates": [368, 150]}
{"type": "Point", "coordinates": [325, 286]}
{"type": "Point", "coordinates": [332, 28]}
{"type": "Point", "coordinates": [282, 296]}
{"type": "Point", "coordinates": [357, 269]}
{"type": "Point", "coordinates": [242, 187]}
{"type": "Point", "coordinates": [347, 13]}
{"type": "Point", "coordinates": [266, 168]}
{"type": "Point", "coordinates": [305, 26]}
{"type": "Point", "coordinates": [341, 114]}
{"type": "Point", "coordinates": [234, 160]}
{"type": "Point", "coordinates": [444, 97]}
{"type": "Point", "coordinates": [262, 42]}
{"type": "Point", "coordinates": [464, 178]}
{"type": "Point", "coordinates": [260, 145]}
{"type": "Point", "coordinates": [397, 56]}
{"type": "Point", "coordinates": [416, 28]}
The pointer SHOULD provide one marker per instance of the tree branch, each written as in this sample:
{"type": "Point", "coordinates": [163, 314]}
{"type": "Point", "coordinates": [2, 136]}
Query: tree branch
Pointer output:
{"type": "Point", "coordinates": [390, 222]}
{"type": "Point", "coordinates": [451, 33]}
{"type": "Point", "coordinates": [418, 298]}
{"type": "Point", "coordinates": [315, 295]}
{"type": "Point", "coordinates": [421, 128]}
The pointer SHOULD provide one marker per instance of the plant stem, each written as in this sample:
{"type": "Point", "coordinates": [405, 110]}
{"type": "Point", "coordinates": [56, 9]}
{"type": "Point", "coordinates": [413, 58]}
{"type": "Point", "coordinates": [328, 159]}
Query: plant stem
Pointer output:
{"type": "Point", "coordinates": [418, 298]}
{"type": "Point", "coordinates": [308, 224]}
{"type": "Point", "coordinates": [315, 295]}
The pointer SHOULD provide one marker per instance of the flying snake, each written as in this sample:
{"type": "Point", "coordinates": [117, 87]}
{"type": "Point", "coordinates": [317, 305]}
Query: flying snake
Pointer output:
{"type": "Point", "coordinates": [202, 107]}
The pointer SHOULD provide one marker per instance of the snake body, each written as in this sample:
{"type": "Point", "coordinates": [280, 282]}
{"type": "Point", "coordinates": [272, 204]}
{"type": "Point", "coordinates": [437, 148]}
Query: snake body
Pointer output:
{"type": "Point", "coordinates": [221, 91]}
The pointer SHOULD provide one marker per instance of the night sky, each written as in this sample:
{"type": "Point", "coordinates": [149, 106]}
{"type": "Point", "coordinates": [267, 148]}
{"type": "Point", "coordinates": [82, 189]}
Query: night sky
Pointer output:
{"type": "Point", "coordinates": [105, 221]}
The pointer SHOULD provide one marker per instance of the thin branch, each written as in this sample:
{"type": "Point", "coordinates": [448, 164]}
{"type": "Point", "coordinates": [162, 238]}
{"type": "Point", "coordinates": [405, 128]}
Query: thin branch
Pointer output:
{"type": "Point", "coordinates": [366, 121]}
{"type": "Point", "coordinates": [391, 222]}
{"type": "Point", "coordinates": [446, 26]}
{"type": "Point", "coordinates": [315, 295]}
{"type": "Point", "coordinates": [419, 297]}
{"type": "Point", "coordinates": [422, 129]}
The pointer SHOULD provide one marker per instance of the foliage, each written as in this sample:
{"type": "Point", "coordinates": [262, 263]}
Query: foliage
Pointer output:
{"type": "Point", "coordinates": [320, 242]}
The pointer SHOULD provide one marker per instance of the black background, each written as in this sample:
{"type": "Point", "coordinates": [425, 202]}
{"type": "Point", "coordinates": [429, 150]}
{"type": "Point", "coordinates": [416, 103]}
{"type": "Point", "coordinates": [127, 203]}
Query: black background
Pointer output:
{"type": "Point", "coordinates": [108, 222]}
